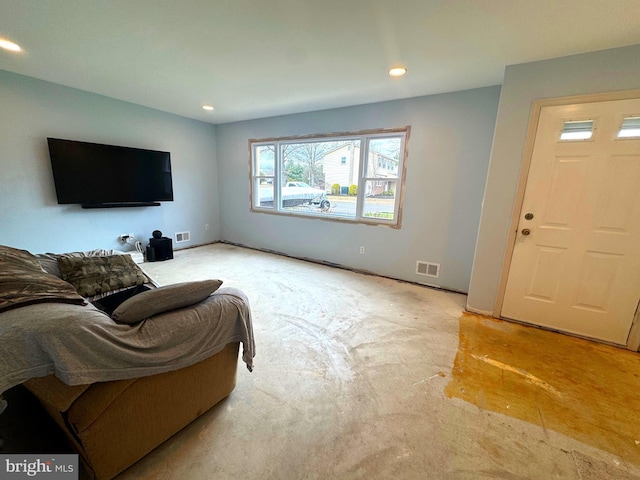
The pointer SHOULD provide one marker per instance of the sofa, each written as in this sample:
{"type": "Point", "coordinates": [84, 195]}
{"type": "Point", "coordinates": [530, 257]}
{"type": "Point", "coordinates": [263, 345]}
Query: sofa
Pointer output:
{"type": "Point", "coordinates": [120, 363]}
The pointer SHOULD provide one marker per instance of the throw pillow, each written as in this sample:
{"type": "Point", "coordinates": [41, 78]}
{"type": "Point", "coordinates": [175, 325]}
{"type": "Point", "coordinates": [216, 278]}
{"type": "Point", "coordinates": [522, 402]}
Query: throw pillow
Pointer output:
{"type": "Point", "coordinates": [49, 261]}
{"type": "Point", "coordinates": [23, 282]}
{"type": "Point", "coordinates": [93, 275]}
{"type": "Point", "coordinates": [164, 299]}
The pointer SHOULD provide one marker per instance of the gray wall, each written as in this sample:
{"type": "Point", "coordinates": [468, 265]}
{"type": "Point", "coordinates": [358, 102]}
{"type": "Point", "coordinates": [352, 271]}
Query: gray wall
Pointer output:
{"type": "Point", "coordinates": [449, 150]}
{"type": "Point", "coordinates": [30, 217]}
{"type": "Point", "coordinates": [604, 71]}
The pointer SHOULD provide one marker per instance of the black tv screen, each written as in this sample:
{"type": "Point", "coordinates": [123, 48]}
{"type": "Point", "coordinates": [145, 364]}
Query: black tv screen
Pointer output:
{"type": "Point", "coordinates": [96, 175]}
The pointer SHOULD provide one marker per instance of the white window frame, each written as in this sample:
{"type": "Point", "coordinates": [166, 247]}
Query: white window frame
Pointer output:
{"type": "Point", "coordinates": [364, 136]}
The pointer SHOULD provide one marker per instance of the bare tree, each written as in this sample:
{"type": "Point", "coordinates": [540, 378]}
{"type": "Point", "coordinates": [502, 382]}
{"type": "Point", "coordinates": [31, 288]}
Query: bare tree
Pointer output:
{"type": "Point", "coordinates": [287, 156]}
{"type": "Point", "coordinates": [311, 155]}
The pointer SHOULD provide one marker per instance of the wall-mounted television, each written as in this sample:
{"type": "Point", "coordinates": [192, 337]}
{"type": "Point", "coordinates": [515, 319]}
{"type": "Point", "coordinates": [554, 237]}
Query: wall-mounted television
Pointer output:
{"type": "Point", "coordinates": [102, 176]}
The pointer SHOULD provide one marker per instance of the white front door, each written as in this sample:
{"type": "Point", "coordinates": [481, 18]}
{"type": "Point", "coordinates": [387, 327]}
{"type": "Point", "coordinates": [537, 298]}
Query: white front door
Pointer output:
{"type": "Point", "coordinates": [576, 260]}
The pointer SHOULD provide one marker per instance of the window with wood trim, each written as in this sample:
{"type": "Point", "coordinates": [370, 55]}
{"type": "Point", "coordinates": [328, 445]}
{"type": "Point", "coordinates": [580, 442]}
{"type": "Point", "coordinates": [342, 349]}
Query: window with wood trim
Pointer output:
{"type": "Point", "coordinates": [356, 177]}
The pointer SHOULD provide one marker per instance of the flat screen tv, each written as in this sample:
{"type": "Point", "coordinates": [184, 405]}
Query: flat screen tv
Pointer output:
{"type": "Point", "coordinates": [101, 176]}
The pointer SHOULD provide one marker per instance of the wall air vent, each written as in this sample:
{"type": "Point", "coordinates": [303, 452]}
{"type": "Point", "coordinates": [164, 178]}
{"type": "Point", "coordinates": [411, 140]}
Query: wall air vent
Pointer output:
{"type": "Point", "coordinates": [428, 269]}
{"type": "Point", "coordinates": [183, 237]}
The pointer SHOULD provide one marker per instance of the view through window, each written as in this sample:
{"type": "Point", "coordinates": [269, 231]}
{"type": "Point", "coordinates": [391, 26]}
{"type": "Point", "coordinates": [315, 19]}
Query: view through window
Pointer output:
{"type": "Point", "coordinates": [352, 177]}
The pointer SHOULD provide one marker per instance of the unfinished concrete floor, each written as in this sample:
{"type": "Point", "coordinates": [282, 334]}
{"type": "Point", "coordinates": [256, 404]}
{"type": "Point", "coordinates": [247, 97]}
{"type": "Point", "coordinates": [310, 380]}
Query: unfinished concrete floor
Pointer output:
{"type": "Point", "coordinates": [358, 376]}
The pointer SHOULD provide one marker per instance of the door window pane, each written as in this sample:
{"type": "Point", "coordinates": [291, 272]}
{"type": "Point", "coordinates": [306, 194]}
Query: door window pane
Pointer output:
{"type": "Point", "coordinates": [630, 128]}
{"type": "Point", "coordinates": [577, 130]}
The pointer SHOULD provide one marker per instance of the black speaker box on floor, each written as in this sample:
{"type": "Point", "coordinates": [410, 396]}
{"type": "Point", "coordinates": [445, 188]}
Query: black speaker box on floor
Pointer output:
{"type": "Point", "coordinates": [162, 249]}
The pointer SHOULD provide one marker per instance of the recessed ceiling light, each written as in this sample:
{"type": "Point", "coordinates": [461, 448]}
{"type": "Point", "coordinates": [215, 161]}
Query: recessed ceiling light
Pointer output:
{"type": "Point", "coordinates": [397, 71]}
{"type": "Point", "coordinates": [207, 107]}
{"type": "Point", "coordinates": [7, 45]}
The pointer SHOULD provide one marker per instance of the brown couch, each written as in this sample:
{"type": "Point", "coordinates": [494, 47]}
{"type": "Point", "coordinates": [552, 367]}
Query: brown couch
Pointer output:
{"type": "Point", "coordinates": [114, 424]}
{"type": "Point", "coordinates": [120, 383]}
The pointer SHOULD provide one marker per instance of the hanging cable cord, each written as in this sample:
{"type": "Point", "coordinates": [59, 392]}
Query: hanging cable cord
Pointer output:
{"type": "Point", "coordinates": [135, 243]}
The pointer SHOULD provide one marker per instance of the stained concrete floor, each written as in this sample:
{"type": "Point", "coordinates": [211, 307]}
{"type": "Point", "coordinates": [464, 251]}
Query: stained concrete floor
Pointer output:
{"type": "Point", "coordinates": [358, 376]}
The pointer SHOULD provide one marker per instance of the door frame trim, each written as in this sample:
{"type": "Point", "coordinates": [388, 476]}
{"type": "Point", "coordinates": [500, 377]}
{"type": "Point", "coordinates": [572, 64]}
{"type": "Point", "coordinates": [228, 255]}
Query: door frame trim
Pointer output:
{"type": "Point", "coordinates": [633, 341]}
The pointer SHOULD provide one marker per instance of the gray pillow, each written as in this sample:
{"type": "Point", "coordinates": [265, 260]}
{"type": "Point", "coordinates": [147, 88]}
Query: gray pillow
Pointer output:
{"type": "Point", "coordinates": [164, 299]}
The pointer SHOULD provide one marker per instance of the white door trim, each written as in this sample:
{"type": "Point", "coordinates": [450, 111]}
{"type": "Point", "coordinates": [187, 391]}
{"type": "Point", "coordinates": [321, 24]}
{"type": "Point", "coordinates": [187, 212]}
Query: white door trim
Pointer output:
{"type": "Point", "coordinates": [633, 343]}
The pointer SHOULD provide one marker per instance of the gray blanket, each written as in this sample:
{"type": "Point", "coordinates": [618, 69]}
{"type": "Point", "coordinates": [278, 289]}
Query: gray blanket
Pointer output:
{"type": "Point", "coordinates": [81, 344]}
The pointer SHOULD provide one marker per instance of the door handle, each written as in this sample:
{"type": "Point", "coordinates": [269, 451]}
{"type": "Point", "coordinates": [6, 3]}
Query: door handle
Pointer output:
{"type": "Point", "coordinates": [525, 231]}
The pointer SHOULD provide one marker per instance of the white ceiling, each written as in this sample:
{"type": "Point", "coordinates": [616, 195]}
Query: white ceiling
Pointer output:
{"type": "Point", "coordinates": [259, 58]}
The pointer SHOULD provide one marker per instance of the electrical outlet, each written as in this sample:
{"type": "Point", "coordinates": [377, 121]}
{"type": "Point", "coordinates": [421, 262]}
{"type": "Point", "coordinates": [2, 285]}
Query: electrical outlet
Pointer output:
{"type": "Point", "coordinates": [125, 236]}
{"type": "Point", "coordinates": [362, 250]}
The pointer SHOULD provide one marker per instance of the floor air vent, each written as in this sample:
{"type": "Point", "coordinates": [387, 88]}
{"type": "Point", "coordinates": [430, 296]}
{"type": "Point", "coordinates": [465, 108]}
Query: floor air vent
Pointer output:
{"type": "Point", "coordinates": [183, 237]}
{"type": "Point", "coordinates": [428, 269]}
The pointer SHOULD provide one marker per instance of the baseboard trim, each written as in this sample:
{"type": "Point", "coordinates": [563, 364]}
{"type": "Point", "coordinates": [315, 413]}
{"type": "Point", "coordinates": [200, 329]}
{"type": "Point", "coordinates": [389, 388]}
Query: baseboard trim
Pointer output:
{"type": "Point", "coordinates": [337, 265]}
{"type": "Point", "coordinates": [486, 313]}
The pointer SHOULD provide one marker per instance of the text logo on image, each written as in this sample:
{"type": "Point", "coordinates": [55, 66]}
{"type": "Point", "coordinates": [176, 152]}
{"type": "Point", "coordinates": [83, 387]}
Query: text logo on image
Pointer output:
{"type": "Point", "coordinates": [50, 467]}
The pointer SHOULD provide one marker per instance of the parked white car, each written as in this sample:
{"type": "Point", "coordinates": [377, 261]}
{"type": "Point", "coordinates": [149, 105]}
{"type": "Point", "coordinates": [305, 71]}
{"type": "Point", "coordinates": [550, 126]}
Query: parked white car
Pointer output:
{"type": "Point", "coordinates": [298, 193]}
